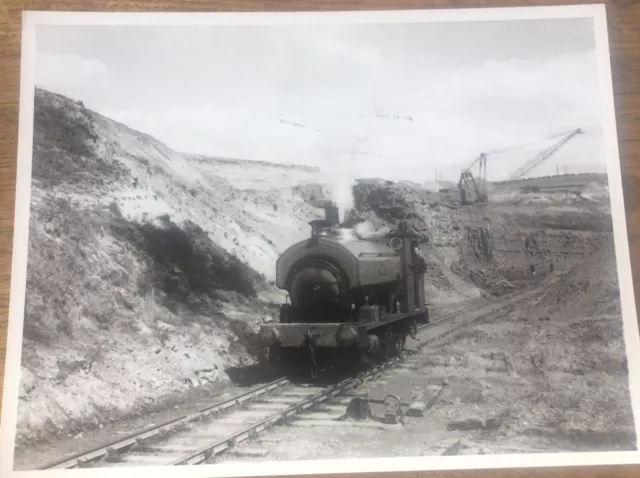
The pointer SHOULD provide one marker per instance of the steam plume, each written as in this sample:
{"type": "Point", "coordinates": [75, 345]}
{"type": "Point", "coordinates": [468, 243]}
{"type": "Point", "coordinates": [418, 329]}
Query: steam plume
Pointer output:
{"type": "Point", "coordinates": [370, 231]}
{"type": "Point", "coordinates": [342, 195]}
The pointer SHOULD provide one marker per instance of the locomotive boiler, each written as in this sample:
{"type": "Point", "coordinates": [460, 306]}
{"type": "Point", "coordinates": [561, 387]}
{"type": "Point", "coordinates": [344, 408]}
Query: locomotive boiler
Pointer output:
{"type": "Point", "coordinates": [348, 298]}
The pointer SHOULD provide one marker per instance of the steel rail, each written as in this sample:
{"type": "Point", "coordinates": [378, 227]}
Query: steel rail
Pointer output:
{"type": "Point", "coordinates": [498, 306]}
{"type": "Point", "coordinates": [137, 438]}
{"type": "Point", "coordinates": [448, 316]}
{"type": "Point", "coordinates": [210, 451]}
{"type": "Point", "coordinates": [252, 431]}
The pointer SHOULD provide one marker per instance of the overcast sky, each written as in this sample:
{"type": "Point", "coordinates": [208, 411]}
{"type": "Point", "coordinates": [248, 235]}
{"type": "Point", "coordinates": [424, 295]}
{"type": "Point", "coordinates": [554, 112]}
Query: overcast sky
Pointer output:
{"type": "Point", "coordinates": [398, 101]}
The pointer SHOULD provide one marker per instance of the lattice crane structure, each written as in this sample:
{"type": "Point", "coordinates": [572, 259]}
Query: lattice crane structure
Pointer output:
{"type": "Point", "coordinates": [475, 192]}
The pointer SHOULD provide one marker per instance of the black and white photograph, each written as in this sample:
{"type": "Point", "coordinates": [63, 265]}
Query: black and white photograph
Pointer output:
{"type": "Point", "coordinates": [280, 243]}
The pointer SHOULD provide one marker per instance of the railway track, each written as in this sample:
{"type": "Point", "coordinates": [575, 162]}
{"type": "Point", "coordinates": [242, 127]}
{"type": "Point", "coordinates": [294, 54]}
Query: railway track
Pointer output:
{"type": "Point", "coordinates": [199, 437]}
{"type": "Point", "coordinates": [450, 326]}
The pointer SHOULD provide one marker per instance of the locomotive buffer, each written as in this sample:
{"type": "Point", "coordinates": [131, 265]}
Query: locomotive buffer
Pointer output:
{"type": "Point", "coordinates": [351, 299]}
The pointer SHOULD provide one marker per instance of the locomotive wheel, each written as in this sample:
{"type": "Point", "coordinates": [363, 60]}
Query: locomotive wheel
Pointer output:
{"type": "Point", "coordinates": [394, 343]}
{"type": "Point", "coordinates": [400, 342]}
{"type": "Point", "coordinates": [388, 343]}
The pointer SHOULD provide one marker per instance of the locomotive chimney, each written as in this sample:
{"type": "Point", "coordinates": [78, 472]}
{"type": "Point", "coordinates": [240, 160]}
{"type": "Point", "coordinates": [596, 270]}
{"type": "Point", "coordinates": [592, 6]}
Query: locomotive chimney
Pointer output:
{"type": "Point", "coordinates": [331, 213]}
{"type": "Point", "coordinates": [323, 227]}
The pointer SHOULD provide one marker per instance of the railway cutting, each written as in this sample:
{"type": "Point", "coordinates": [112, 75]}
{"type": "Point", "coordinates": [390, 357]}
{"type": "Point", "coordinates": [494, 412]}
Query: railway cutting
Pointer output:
{"type": "Point", "coordinates": [202, 436]}
{"type": "Point", "coordinates": [225, 309]}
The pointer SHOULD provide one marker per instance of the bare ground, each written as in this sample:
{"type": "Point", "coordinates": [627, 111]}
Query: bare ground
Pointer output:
{"type": "Point", "coordinates": [147, 264]}
{"type": "Point", "coordinates": [512, 386]}
{"type": "Point", "coordinates": [103, 303]}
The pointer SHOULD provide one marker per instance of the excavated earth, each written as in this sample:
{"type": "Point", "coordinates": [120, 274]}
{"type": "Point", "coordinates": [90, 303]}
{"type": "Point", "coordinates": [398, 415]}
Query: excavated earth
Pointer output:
{"type": "Point", "coordinates": [158, 267]}
{"type": "Point", "coordinates": [549, 375]}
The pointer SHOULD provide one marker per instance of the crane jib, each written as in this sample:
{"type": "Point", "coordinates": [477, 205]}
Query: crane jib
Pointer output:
{"type": "Point", "coordinates": [467, 180]}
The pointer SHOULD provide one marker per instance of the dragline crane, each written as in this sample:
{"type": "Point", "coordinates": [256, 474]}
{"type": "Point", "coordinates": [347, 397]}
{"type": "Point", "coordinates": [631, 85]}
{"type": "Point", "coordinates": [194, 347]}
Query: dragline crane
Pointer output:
{"type": "Point", "coordinates": [467, 183]}
{"type": "Point", "coordinates": [541, 156]}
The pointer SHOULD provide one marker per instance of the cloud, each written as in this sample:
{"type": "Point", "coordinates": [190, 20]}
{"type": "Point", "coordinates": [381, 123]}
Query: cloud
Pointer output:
{"type": "Point", "coordinates": [206, 129]}
{"type": "Point", "coordinates": [507, 103]}
{"type": "Point", "coordinates": [64, 72]}
{"type": "Point", "coordinates": [328, 110]}
{"type": "Point", "coordinates": [465, 111]}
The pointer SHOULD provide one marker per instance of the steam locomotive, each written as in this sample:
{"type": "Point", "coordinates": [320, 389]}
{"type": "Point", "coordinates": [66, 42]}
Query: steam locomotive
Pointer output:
{"type": "Point", "coordinates": [348, 299]}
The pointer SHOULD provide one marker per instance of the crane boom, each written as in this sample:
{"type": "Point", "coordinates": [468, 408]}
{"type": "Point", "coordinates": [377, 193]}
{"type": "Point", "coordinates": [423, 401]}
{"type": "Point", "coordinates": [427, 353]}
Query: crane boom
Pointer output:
{"type": "Point", "coordinates": [479, 158]}
{"type": "Point", "coordinates": [540, 157]}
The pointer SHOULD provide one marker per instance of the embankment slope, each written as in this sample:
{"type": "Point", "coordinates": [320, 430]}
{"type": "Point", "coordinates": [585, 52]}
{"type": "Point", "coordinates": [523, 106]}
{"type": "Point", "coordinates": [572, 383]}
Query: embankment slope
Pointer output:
{"type": "Point", "coordinates": [148, 270]}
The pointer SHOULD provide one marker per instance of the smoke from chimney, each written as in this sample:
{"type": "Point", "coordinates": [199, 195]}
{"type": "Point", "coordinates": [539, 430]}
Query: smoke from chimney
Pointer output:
{"type": "Point", "coordinates": [342, 195]}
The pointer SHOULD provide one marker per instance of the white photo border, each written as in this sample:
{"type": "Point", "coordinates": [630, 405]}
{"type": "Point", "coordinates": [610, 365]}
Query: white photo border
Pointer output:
{"type": "Point", "coordinates": [339, 466]}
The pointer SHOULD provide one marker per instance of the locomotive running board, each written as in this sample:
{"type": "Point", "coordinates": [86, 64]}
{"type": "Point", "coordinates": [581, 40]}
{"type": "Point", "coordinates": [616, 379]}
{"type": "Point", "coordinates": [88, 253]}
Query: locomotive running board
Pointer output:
{"type": "Point", "coordinates": [392, 318]}
{"type": "Point", "coordinates": [292, 335]}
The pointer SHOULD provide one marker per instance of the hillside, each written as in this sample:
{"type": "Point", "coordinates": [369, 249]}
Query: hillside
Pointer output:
{"type": "Point", "coordinates": [231, 200]}
{"type": "Point", "coordinates": [143, 263]}
{"type": "Point", "coordinates": [515, 241]}
{"type": "Point", "coordinates": [571, 295]}
{"type": "Point", "coordinates": [150, 270]}
{"type": "Point", "coordinates": [149, 264]}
